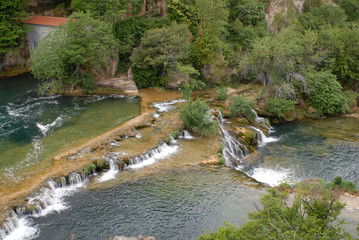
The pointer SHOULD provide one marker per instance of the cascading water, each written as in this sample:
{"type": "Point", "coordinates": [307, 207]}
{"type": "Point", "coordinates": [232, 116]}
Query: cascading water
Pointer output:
{"type": "Point", "coordinates": [111, 173]}
{"type": "Point", "coordinates": [166, 106]}
{"type": "Point", "coordinates": [162, 151]}
{"type": "Point", "coordinates": [261, 120]}
{"type": "Point", "coordinates": [19, 226]}
{"type": "Point", "coordinates": [233, 150]}
{"type": "Point", "coordinates": [262, 138]}
{"type": "Point", "coordinates": [186, 135]}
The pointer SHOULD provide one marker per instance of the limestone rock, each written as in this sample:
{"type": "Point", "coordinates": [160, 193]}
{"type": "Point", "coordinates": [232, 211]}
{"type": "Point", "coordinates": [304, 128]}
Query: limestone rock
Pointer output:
{"type": "Point", "coordinates": [122, 83]}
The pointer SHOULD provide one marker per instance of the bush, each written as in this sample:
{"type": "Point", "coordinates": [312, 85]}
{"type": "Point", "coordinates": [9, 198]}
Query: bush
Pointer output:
{"type": "Point", "coordinates": [279, 107]}
{"type": "Point", "coordinates": [325, 93]}
{"type": "Point", "coordinates": [337, 180]}
{"type": "Point", "coordinates": [221, 95]}
{"type": "Point", "coordinates": [242, 107]}
{"type": "Point", "coordinates": [311, 213]}
{"type": "Point", "coordinates": [175, 134]}
{"type": "Point", "coordinates": [196, 115]}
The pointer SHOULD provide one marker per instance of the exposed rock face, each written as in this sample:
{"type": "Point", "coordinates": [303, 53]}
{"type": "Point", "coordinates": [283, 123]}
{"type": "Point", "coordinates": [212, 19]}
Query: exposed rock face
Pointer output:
{"type": "Point", "coordinates": [122, 83]}
{"type": "Point", "coordinates": [132, 238]}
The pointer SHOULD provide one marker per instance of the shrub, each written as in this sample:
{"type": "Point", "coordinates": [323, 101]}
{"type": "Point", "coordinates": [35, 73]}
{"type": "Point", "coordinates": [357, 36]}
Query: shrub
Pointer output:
{"type": "Point", "coordinates": [337, 180]}
{"type": "Point", "coordinates": [221, 95]}
{"type": "Point", "coordinates": [279, 107]}
{"type": "Point", "coordinates": [325, 93]}
{"type": "Point", "coordinates": [281, 217]}
{"type": "Point", "coordinates": [88, 169]}
{"type": "Point", "coordinates": [242, 107]}
{"type": "Point", "coordinates": [196, 115]}
{"type": "Point", "coordinates": [167, 140]}
{"type": "Point", "coordinates": [175, 134]}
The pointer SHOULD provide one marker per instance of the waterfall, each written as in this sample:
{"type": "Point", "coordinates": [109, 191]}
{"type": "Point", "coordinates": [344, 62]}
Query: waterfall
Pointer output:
{"type": "Point", "coordinates": [186, 135]}
{"type": "Point", "coordinates": [166, 106]}
{"type": "Point", "coordinates": [262, 138]}
{"type": "Point", "coordinates": [152, 156]}
{"type": "Point", "coordinates": [111, 173]}
{"type": "Point", "coordinates": [233, 150]}
{"type": "Point", "coordinates": [50, 199]}
{"type": "Point", "coordinates": [138, 134]}
{"type": "Point", "coordinates": [260, 120]}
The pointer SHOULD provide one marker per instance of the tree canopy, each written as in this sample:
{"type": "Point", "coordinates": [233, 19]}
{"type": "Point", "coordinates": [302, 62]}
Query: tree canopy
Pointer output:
{"type": "Point", "coordinates": [67, 55]}
{"type": "Point", "coordinates": [309, 213]}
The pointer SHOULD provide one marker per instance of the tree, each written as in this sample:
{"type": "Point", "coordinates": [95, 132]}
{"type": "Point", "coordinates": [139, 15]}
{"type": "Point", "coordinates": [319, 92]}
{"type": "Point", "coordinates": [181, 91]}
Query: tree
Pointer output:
{"type": "Point", "coordinates": [312, 213]}
{"type": "Point", "coordinates": [196, 115]}
{"type": "Point", "coordinates": [159, 53]}
{"type": "Point", "coordinates": [68, 55]}
{"type": "Point", "coordinates": [106, 10]}
{"type": "Point", "coordinates": [213, 21]}
{"type": "Point", "coordinates": [11, 30]}
{"type": "Point", "coordinates": [322, 17]}
{"type": "Point", "coordinates": [325, 93]}
{"type": "Point", "coordinates": [282, 60]}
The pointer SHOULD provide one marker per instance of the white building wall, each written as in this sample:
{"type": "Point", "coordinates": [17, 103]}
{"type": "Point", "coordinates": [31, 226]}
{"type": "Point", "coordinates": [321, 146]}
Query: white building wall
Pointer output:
{"type": "Point", "coordinates": [37, 33]}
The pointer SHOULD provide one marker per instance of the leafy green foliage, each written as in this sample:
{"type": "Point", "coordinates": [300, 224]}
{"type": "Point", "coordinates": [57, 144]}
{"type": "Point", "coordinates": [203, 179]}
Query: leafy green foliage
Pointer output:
{"type": "Point", "coordinates": [221, 94]}
{"type": "Point", "coordinates": [242, 107]}
{"type": "Point", "coordinates": [279, 107]}
{"type": "Point", "coordinates": [213, 17]}
{"type": "Point", "coordinates": [106, 10]}
{"type": "Point", "coordinates": [312, 214]}
{"type": "Point", "coordinates": [322, 17]}
{"type": "Point", "coordinates": [175, 134]}
{"type": "Point", "coordinates": [67, 56]}
{"type": "Point", "coordinates": [325, 93]}
{"type": "Point", "coordinates": [246, 11]}
{"type": "Point", "coordinates": [282, 57]}
{"type": "Point", "coordinates": [11, 30]}
{"type": "Point", "coordinates": [351, 8]}
{"type": "Point", "coordinates": [129, 33]}
{"type": "Point", "coordinates": [161, 50]}
{"type": "Point", "coordinates": [196, 115]}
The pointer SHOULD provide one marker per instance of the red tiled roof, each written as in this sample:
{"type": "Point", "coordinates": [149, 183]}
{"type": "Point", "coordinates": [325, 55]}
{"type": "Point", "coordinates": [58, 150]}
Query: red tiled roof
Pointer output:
{"type": "Point", "coordinates": [48, 21]}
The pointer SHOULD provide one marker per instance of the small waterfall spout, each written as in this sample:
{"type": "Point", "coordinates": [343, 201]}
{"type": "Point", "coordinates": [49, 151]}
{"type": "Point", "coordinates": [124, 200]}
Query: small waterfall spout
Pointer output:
{"type": "Point", "coordinates": [262, 138]}
{"type": "Point", "coordinates": [186, 135]}
{"type": "Point", "coordinates": [111, 173]}
{"type": "Point", "coordinates": [261, 120]}
{"type": "Point", "coordinates": [233, 150]}
{"type": "Point", "coordinates": [155, 154]}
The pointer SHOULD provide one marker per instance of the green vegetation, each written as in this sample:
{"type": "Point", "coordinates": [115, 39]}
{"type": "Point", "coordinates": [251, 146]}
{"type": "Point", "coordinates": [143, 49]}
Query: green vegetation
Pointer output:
{"type": "Point", "coordinates": [339, 184]}
{"type": "Point", "coordinates": [279, 107]}
{"type": "Point", "coordinates": [242, 107]}
{"type": "Point", "coordinates": [312, 213]}
{"type": "Point", "coordinates": [160, 52]}
{"type": "Point", "coordinates": [196, 115]}
{"type": "Point", "coordinates": [88, 169]}
{"type": "Point", "coordinates": [221, 94]}
{"type": "Point", "coordinates": [11, 30]}
{"type": "Point", "coordinates": [221, 158]}
{"type": "Point", "coordinates": [204, 43]}
{"type": "Point", "coordinates": [68, 56]}
{"type": "Point", "coordinates": [175, 134]}
{"type": "Point", "coordinates": [325, 93]}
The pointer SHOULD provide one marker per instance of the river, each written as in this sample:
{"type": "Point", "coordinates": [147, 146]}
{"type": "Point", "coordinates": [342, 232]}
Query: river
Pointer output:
{"type": "Point", "coordinates": [175, 197]}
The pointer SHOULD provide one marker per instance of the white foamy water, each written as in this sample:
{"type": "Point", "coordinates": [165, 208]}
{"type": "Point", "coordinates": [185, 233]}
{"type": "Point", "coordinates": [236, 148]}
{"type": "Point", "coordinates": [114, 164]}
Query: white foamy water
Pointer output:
{"type": "Point", "coordinates": [166, 106]}
{"type": "Point", "coordinates": [262, 138]}
{"type": "Point", "coordinates": [110, 174]}
{"type": "Point", "coordinates": [161, 152]}
{"type": "Point", "coordinates": [45, 128]}
{"type": "Point", "coordinates": [269, 176]}
{"type": "Point", "coordinates": [18, 228]}
{"type": "Point", "coordinates": [51, 199]}
{"type": "Point", "coordinates": [186, 135]}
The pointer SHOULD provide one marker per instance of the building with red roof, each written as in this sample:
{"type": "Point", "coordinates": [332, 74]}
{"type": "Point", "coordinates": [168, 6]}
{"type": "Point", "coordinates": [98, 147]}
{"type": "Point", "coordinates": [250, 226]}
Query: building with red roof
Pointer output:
{"type": "Point", "coordinates": [40, 27]}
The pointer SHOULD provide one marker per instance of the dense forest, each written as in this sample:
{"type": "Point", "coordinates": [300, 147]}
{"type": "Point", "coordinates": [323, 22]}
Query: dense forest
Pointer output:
{"type": "Point", "coordinates": [306, 54]}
